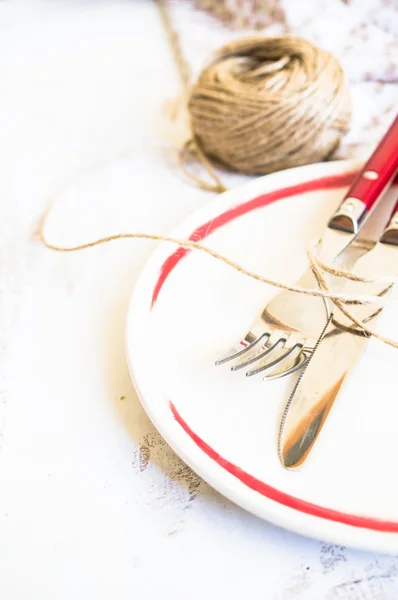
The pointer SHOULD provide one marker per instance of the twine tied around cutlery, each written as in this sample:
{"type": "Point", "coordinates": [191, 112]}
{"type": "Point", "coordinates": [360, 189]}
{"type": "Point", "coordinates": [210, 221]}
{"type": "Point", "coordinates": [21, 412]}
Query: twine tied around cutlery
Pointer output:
{"type": "Point", "coordinates": [341, 300]}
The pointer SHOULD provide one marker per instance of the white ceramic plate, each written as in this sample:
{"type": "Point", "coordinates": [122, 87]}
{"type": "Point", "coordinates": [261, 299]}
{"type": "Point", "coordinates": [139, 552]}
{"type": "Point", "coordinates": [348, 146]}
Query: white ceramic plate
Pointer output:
{"type": "Point", "coordinates": [188, 309]}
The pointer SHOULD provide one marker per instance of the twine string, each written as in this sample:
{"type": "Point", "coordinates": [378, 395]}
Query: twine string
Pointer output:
{"type": "Point", "coordinates": [360, 325]}
{"type": "Point", "coordinates": [175, 45]}
{"type": "Point", "coordinates": [192, 147]}
{"type": "Point", "coordinates": [341, 300]}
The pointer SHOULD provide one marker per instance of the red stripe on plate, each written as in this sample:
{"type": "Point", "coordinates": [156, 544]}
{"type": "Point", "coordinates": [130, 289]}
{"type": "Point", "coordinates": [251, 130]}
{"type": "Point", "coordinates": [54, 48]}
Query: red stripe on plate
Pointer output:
{"type": "Point", "coordinates": [281, 497]}
{"type": "Point", "coordinates": [323, 183]}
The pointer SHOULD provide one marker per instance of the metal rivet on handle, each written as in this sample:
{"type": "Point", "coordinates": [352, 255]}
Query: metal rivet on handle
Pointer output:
{"type": "Point", "coordinates": [348, 206]}
{"type": "Point", "coordinates": [370, 175]}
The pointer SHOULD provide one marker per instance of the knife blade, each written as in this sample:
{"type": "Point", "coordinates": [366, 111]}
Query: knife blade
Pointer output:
{"type": "Point", "coordinates": [335, 357]}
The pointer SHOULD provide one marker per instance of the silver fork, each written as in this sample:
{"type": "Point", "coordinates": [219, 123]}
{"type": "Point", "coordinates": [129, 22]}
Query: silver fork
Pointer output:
{"type": "Point", "coordinates": [280, 345]}
{"type": "Point", "coordinates": [284, 334]}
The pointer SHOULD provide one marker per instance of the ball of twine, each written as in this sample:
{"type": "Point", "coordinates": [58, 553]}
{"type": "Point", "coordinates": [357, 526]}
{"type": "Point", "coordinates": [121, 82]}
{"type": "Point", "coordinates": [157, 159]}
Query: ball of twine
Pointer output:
{"type": "Point", "coordinates": [269, 103]}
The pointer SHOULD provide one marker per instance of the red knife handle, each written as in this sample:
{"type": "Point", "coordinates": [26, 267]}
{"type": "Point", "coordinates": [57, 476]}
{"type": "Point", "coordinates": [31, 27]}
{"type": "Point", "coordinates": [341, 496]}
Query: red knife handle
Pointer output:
{"type": "Point", "coordinates": [369, 184]}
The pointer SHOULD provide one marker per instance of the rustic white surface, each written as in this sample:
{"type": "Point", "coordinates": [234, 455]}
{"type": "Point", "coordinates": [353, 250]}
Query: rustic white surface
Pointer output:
{"type": "Point", "coordinates": [93, 504]}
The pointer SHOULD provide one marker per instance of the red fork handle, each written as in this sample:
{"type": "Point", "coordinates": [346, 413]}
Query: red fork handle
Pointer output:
{"type": "Point", "coordinates": [369, 184]}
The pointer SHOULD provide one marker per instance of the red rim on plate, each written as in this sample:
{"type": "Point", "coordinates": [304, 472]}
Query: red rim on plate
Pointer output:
{"type": "Point", "coordinates": [261, 487]}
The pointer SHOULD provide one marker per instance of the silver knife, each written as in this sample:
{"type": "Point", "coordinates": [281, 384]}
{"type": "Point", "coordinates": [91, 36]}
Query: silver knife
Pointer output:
{"type": "Point", "coordinates": [335, 356]}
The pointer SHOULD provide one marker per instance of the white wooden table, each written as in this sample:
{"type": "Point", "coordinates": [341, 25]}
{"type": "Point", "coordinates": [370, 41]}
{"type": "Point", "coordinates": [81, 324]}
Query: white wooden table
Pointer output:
{"type": "Point", "coordinates": [93, 504]}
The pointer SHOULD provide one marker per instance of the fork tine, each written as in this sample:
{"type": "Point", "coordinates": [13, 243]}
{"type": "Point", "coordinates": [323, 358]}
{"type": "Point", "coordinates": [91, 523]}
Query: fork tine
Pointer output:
{"type": "Point", "coordinates": [261, 353]}
{"type": "Point", "coordinates": [236, 353]}
{"type": "Point", "coordinates": [297, 357]}
{"type": "Point", "coordinates": [268, 354]}
{"type": "Point", "coordinates": [272, 363]}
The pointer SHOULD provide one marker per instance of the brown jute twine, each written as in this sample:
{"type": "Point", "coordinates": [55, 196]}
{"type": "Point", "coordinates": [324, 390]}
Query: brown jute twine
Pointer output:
{"type": "Point", "coordinates": [339, 299]}
{"type": "Point", "coordinates": [269, 103]}
{"type": "Point", "coordinates": [260, 105]}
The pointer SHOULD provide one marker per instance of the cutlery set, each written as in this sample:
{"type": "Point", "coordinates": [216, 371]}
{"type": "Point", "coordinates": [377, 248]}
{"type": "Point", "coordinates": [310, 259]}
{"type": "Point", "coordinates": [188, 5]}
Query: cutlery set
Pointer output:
{"type": "Point", "coordinates": [295, 331]}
